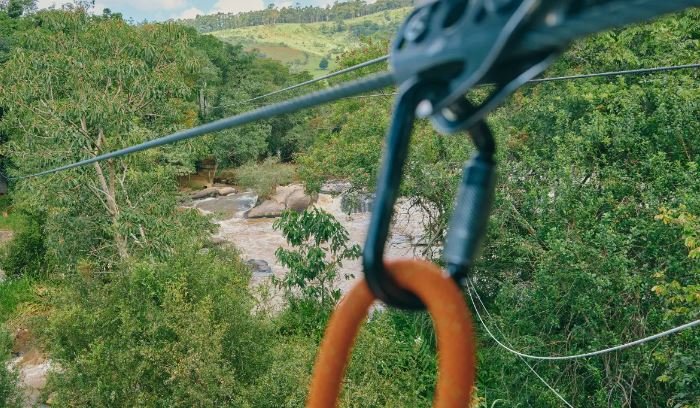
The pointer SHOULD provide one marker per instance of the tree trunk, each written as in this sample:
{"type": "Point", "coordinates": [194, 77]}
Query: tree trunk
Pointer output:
{"type": "Point", "coordinates": [212, 174]}
{"type": "Point", "coordinates": [109, 190]}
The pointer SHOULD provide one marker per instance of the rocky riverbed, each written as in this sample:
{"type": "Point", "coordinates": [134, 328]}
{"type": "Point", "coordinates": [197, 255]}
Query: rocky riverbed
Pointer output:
{"type": "Point", "coordinates": [258, 241]}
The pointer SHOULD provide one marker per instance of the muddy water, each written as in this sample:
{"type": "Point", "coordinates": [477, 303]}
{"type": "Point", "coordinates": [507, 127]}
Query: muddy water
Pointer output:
{"type": "Point", "coordinates": [256, 238]}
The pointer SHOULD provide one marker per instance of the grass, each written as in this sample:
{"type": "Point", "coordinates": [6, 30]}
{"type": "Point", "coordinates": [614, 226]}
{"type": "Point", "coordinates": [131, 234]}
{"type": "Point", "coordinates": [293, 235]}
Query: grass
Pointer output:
{"type": "Point", "coordinates": [8, 219]}
{"type": "Point", "coordinates": [14, 292]}
{"type": "Point", "coordinates": [305, 42]}
{"type": "Point", "coordinates": [264, 177]}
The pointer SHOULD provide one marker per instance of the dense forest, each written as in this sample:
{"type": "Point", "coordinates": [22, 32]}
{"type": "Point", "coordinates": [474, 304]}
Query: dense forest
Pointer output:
{"type": "Point", "coordinates": [595, 237]}
{"type": "Point", "coordinates": [339, 11]}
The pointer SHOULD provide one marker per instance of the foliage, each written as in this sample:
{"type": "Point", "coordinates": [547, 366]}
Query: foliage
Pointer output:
{"type": "Point", "coordinates": [264, 177]}
{"type": "Point", "coordinates": [302, 46]}
{"type": "Point", "coordinates": [173, 333]}
{"type": "Point", "coordinates": [9, 219]}
{"type": "Point", "coordinates": [285, 382]}
{"type": "Point", "coordinates": [323, 64]}
{"type": "Point", "coordinates": [320, 245]}
{"type": "Point", "coordinates": [58, 110]}
{"type": "Point", "coordinates": [295, 14]}
{"type": "Point", "coordinates": [278, 136]}
{"type": "Point", "coordinates": [681, 301]}
{"type": "Point", "coordinates": [24, 255]}
{"type": "Point", "coordinates": [573, 247]}
{"type": "Point", "coordinates": [241, 145]}
{"type": "Point", "coordinates": [14, 292]}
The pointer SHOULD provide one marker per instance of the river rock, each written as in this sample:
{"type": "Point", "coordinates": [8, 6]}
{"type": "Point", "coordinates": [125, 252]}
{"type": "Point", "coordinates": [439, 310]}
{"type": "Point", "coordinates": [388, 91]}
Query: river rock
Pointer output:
{"type": "Point", "coordinates": [268, 209]}
{"type": "Point", "coordinates": [259, 267]}
{"type": "Point", "coordinates": [218, 241]}
{"type": "Point", "coordinates": [335, 187]}
{"type": "Point", "coordinates": [207, 192]}
{"type": "Point", "coordinates": [227, 207]}
{"type": "Point", "coordinates": [282, 193]}
{"type": "Point", "coordinates": [228, 190]}
{"type": "Point", "coordinates": [298, 201]}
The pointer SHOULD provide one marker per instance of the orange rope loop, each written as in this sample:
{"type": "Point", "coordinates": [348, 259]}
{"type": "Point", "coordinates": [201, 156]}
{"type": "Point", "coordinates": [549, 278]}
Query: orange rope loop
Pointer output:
{"type": "Point", "coordinates": [453, 326]}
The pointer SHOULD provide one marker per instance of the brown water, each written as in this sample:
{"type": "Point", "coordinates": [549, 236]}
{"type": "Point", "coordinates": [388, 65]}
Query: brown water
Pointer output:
{"type": "Point", "coordinates": [256, 238]}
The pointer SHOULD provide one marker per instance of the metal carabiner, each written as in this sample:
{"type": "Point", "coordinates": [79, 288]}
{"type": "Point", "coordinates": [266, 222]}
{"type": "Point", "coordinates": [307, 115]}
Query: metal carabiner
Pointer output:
{"type": "Point", "coordinates": [468, 223]}
{"type": "Point", "coordinates": [443, 50]}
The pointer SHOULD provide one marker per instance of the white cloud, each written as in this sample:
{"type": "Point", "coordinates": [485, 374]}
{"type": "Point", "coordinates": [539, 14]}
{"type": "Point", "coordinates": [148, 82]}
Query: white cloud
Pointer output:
{"type": "Point", "coordinates": [191, 12]}
{"type": "Point", "coordinates": [142, 5]}
{"type": "Point", "coordinates": [237, 6]}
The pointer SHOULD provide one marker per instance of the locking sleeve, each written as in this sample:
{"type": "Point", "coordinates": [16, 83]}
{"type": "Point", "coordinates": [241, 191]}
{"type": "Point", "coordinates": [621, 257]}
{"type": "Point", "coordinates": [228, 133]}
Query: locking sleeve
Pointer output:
{"type": "Point", "coordinates": [470, 218]}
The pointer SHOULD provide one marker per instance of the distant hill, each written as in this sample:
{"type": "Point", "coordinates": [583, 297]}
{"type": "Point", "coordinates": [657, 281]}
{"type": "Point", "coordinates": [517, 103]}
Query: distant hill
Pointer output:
{"type": "Point", "coordinates": [303, 46]}
{"type": "Point", "coordinates": [340, 10]}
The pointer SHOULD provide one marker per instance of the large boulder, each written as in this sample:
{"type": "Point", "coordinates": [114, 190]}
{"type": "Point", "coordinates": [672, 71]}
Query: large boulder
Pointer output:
{"type": "Point", "coordinates": [268, 209]}
{"type": "Point", "coordinates": [283, 192]}
{"type": "Point", "coordinates": [228, 190]}
{"type": "Point", "coordinates": [298, 201]}
{"type": "Point", "coordinates": [205, 193]}
{"type": "Point", "coordinates": [228, 206]}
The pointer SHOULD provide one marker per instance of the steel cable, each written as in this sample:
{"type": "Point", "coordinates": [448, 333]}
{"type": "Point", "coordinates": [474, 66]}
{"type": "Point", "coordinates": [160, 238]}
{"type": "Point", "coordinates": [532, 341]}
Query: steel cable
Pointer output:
{"type": "Point", "coordinates": [317, 98]}
{"type": "Point", "coordinates": [582, 355]}
{"type": "Point", "coordinates": [311, 81]}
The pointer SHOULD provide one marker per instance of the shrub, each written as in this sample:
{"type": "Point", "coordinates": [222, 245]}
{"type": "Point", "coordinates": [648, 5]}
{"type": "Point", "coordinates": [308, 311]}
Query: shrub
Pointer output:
{"type": "Point", "coordinates": [264, 177]}
{"type": "Point", "coordinates": [320, 244]}
{"type": "Point", "coordinates": [24, 255]}
{"type": "Point", "coordinates": [176, 333]}
{"type": "Point", "coordinates": [12, 293]}
{"type": "Point", "coordinates": [323, 64]}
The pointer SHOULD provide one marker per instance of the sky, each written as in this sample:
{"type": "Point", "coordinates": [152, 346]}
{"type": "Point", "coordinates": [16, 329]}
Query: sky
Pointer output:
{"type": "Point", "coordinates": [159, 10]}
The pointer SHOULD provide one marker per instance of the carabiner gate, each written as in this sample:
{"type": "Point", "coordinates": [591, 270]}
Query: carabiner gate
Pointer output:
{"type": "Point", "coordinates": [468, 223]}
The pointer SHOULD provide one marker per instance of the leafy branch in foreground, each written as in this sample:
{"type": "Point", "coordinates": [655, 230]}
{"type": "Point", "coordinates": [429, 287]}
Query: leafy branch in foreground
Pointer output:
{"type": "Point", "coordinates": [320, 245]}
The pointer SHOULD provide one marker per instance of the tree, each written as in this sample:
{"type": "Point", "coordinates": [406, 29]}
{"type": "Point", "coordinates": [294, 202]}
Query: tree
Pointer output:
{"type": "Point", "coordinates": [320, 245]}
{"type": "Point", "coordinates": [573, 241]}
{"type": "Point", "coordinates": [68, 94]}
{"type": "Point", "coordinates": [15, 8]}
{"type": "Point", "coordinates": [324, 63]}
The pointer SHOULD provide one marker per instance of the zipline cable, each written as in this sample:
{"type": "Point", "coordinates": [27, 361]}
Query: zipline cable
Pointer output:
{"type": "Point", "coordinates": [583, 355]}
{"type": "Point", "coordinates": [588, 22]}
{"type": "Point", "coordinates": [470, 287]}
{"type": "Point", "coordinates": [351, 90]}
{"type": "Point", "coordinates": [307, 101]}
{"type": "Point", "coordinates": [312, 81]}
{"type": "Point", "coordinates": [639, 71]}
{"type": "Point", "coordinates": [602, 17]}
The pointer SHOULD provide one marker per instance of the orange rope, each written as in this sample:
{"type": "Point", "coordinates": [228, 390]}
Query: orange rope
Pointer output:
{"type": "Point", "coordinates": [453, 325]}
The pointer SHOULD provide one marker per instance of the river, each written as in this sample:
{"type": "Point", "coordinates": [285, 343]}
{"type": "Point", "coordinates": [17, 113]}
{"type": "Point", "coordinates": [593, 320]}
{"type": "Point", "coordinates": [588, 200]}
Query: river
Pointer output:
{"type": "Point", "coordinates": [257, 239]}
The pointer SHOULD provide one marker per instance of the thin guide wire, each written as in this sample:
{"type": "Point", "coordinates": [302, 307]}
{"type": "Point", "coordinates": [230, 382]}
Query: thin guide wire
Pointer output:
{"type": "Point", "coordinates": [471, 288]}
{"type": "Point", "coordinates": [583, 355]}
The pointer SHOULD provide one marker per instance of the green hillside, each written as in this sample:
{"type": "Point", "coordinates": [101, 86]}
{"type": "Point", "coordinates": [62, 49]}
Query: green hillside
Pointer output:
{"type": "Point", "coordinates": [304, 45]}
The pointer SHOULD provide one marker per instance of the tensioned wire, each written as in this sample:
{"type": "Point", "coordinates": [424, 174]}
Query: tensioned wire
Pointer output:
{"type": "Point", "coordinates": [588, 22]}
{"type": "Point", "coordinates": [551, 388]}
{"type": "Point", "coordinates": [470, 284]}
{"type": "Point", "coordinates": [639, 71]}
